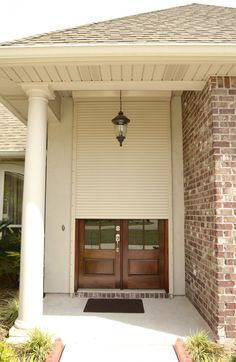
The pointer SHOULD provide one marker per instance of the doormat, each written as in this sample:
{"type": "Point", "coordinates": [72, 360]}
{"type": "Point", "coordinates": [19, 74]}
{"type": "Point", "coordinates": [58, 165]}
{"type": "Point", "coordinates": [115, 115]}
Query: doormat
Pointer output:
{"type": "Point", "coordinates": [114, 306]}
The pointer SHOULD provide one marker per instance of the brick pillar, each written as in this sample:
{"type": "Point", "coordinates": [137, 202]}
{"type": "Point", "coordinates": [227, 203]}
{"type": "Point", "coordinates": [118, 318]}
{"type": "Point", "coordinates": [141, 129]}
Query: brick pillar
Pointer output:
{"type": "Point", "coordinates": [209, 142]}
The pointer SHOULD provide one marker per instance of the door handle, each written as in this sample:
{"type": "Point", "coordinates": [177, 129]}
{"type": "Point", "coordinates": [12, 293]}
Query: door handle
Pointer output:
{"type": "Point", "coordinates": [117, 243]}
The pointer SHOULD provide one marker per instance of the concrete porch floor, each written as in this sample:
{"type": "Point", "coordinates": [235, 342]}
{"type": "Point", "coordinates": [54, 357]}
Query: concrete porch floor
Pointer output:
{"type": "Point", "coordinates": [90, 336]}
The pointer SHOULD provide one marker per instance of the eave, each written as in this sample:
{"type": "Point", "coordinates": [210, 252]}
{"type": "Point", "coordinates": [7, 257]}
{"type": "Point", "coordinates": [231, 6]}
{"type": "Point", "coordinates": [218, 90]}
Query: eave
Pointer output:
{"type": "Point", "coordinates": [108, 67]}
{"type": "Point", "coordinates": [129, 52]}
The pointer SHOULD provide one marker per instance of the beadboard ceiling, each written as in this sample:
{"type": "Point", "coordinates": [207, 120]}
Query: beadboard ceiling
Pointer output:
{"type": "Point", "coordinates": [115, 72]}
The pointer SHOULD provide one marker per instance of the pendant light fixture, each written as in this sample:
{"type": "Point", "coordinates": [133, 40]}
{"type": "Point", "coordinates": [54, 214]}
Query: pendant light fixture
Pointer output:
{"type": "Point", "coordinates": [120, 122]}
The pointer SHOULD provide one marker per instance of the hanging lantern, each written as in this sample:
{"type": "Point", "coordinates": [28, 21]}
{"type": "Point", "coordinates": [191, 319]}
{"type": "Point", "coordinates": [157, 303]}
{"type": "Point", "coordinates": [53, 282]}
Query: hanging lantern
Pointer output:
{"type": "Point", "coordinates": [120, 122]}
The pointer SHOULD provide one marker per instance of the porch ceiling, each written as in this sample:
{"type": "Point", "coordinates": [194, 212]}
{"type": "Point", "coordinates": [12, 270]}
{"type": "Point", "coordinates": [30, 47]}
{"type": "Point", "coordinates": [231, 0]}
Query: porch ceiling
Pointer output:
{"type": "Point", "coordinates": [76, 76]}
{"type": "Point", "coordinates": [66, 76]}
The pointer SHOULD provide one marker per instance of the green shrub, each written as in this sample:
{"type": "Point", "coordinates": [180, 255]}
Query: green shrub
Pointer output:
{"type": "Point", "coordinates": [9, 255]}
{"type": "Point", "coordinates": [9, 310]}
{"type": "Point", "coordinates": [203, 350]}
{"type": "Point", "coordinates": [38, 347]}
{"type": "Point", "coordinates": [7, 353]}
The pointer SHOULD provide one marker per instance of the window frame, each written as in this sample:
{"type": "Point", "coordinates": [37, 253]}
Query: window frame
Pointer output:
{"type": "Point", "coordinates": [12, 168]}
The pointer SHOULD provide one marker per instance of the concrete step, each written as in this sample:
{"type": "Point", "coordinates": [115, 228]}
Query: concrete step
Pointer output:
{"type": "Point", "coordinates": [117, 353]}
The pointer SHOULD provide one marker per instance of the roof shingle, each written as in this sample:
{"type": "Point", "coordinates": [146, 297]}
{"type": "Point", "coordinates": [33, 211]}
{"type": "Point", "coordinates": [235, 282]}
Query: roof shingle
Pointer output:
{"type": "Point", "coordinates": [193, 23]}
{"type": "Point", "coordinates": [12, 132]}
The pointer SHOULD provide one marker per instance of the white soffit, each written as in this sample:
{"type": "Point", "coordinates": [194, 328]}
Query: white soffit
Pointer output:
{"type": "Point", "coordinates": [117, 72]}
{"type": "Point", "coordinates": [166, 67]}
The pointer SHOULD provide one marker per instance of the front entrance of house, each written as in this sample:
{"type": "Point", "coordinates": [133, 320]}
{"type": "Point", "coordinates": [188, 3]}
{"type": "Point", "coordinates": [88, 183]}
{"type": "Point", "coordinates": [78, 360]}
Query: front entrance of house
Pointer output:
{"type": "Point", "coordinates": [124, 254]}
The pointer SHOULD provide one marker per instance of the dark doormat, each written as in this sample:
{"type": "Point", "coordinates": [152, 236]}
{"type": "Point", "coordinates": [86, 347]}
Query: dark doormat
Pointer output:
{"type": "Point", "coordinates": [114, 306]}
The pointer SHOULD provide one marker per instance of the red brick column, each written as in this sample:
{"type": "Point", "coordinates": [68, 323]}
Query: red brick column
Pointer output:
{"type": "Point", "coordinates": [209, 142]}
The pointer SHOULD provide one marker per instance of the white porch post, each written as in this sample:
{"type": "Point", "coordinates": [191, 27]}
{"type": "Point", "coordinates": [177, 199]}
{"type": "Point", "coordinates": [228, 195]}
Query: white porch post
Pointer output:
{"type": "Point", "coordinates": [32, 244]}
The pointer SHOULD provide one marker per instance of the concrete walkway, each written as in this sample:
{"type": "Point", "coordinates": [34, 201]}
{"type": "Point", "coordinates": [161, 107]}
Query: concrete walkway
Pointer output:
{"type": "Point", "coordinates": [120, 337]}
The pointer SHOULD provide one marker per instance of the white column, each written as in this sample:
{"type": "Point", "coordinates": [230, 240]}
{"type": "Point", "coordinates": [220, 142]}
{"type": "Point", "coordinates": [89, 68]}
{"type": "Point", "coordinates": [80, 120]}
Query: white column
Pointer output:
{"type": "Point", "coordinates": [178, 196]}
{"type": "Point", "coordinates": [32, 244]}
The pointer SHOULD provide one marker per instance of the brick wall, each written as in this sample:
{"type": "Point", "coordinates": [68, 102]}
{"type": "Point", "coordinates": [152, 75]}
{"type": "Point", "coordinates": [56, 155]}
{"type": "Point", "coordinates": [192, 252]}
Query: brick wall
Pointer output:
{"type": "Point", "coordinates": [209, 146]}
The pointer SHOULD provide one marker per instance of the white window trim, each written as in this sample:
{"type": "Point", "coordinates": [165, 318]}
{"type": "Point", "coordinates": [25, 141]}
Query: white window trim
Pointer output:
{"type": "Point", "coordinates": [8, 167]}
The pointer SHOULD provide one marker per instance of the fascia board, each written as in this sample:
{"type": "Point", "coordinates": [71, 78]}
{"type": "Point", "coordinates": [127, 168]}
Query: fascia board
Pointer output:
{"type": "Point", "coordinates": [112, 52]}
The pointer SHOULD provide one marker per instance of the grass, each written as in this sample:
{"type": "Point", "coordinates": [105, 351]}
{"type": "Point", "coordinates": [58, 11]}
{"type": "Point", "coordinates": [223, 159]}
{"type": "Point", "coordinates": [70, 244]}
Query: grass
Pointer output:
{"type": "Point", "coordinates": [38, 347]}
{"type": "Point", "coordinates": [7, 353]}
{"type": "Point", "coordinates": [201, 349]}
{"type": "Point", "coordinates": [9, 308]}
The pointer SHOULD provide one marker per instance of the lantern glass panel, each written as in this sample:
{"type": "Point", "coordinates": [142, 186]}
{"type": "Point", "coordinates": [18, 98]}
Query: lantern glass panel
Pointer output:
{"type": "Point", "coordinates": [121, 130]}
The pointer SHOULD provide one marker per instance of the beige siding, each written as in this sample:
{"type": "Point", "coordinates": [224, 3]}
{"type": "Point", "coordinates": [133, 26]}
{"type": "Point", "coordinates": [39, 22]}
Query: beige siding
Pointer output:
{"type": "Point", "coordinates": [58, 202]}
{"type": "Point", "coordinates": [132, 181]}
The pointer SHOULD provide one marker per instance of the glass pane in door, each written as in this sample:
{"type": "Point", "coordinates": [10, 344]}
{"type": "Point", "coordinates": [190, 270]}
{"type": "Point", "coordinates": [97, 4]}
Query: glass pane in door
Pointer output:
{"type": "Point", "coordinates": [108, 230]}
{"type": "Point", "coordinates": [99, 234]}
{"type": "Point", "coordinates": [151, 234]}
{"type": "Point", "coordinates": [143, 234]}
{"type": "Point", "coordinates": [135, 234]}
{"type": "Point", "coordinates": [91, 234]}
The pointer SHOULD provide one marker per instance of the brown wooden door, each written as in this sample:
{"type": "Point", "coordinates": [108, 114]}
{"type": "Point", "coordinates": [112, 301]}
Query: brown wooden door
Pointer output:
{"type": "Point", "coordinates": [99, 258]}
{"type": "Point", "coordinates": [124, 254]}
{"type": "Point", "coordinates": [145, 254]}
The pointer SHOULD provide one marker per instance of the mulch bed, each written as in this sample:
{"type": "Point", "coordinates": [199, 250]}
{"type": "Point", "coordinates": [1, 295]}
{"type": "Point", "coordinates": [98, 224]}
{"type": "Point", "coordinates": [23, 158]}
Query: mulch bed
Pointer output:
{"type": "Point", "coordinates": [3, 332]}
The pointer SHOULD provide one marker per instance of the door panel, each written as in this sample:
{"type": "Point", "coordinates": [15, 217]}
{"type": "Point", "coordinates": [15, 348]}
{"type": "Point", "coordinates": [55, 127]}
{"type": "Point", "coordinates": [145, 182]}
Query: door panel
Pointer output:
{"type": "Point", "coordinates": [143, 267]}
{"type": "Point", "coordinates": [129, 254]}
{"type": "Point", "coordinates": [144, 254]}
{"type": "Point", "coordinates": [99, 266]}
{"type": "Point", "coordinates": [99, 263]}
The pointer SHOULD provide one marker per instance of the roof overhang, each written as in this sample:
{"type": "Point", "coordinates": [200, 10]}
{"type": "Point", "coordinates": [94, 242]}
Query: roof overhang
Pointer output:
{"type": "Point", "coordinates": [108, 67]}
{"type": "Point", "coordinates": [94, 53]}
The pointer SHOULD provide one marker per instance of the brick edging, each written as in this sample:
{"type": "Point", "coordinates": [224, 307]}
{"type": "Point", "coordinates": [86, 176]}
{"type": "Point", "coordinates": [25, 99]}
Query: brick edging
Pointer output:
{"type": "Point", "coordinates": [181, 352]}
{"type": "Point", "coordinates": [57, 350]}
{"type": "Point", "coordinates": [122, 295]}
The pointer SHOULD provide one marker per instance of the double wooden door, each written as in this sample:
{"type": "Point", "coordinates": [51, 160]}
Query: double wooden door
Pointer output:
{"type": "Point", "coordinates": [123, 254]}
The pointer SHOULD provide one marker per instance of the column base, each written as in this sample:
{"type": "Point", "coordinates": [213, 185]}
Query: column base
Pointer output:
{"type": "Point", "coordinates": [18, 334]}
{"type": "Point", "coordinates": [23, 325]}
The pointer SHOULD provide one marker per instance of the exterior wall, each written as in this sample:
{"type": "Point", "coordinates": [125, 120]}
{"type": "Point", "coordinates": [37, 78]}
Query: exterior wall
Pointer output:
{"type": "Point", "coordinates": [59, 252]}
{"type": "Point", "coordinates": [209, 141]}
{"type": "Point", "coordinates": [58, 202]}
